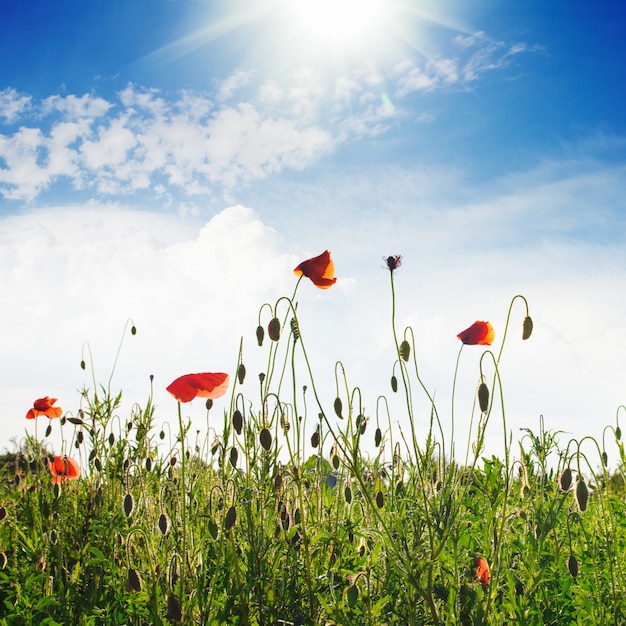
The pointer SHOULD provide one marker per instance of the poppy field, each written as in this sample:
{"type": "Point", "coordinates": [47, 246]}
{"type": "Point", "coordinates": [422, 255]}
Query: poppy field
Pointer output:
{"type": "Point", "coordinates": [302, 509]}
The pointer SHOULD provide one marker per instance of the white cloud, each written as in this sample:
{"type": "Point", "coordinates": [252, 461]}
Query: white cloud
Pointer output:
{"type": "Point", "coordinates": [13, 104]}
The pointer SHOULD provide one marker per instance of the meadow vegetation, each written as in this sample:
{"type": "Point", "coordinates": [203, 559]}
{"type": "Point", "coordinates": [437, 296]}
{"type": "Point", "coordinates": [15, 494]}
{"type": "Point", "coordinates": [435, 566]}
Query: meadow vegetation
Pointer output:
{"type": "Point", "coordinates": [282, 517]}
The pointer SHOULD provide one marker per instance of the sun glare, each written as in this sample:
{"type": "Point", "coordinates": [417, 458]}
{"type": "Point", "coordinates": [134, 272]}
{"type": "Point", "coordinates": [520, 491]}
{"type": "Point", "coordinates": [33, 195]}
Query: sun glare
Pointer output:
{"type": "Point", "coordinates": [338, 21]}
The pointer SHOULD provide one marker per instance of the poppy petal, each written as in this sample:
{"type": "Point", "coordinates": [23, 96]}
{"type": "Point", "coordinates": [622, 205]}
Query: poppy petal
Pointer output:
{"type": "Point", "coordinates": [206, 385]}
{"type": "Point", "coordinates": [478, 334]}
{"type": "Point", "coordinates": [320, 270]}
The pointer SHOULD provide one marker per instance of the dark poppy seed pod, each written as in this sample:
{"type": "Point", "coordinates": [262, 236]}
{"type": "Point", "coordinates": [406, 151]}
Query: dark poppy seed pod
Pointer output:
{"type": "Point", "coordinates": [315, 438]}
{"type": "Point", "coordinates": [335, 461]}
{"type": "Point", "coordinates": [527, 327]}
{"type": "Point", "coordinates": [3, 513]}
{"type": "Point", "coordinates": [380, 500]}
{"type": "Point", "coordinates": [297, 516]}
{"type": "Point", "coordinates": [582, 495]}
{"type": "Point", "coordinates": [162, 435]}
{"type": "Point", "coordinates": [572, 565]}
{"type": "Point", "coordinates": [83, 365]}
{"type": "Point", "coordinates": [173, 461]}
{"type": "Point", "coordinates": [605, 458]}
{"type": "Point", "coordinates": [148, 464]}
{"type": "Point", "coordinates": [97, 464]}
{"type": "Point", "coordinates": [273, 329]}
{"type": "Point", "coordinates": [80, 436]}
{"type": "Point", "coordinates": [241, 373]}
{"type": "Point", "coordinates": [234, 455]}
{"type": "Point", "coordinates": [133, 330]}
{"type": "Point", "coordinates": [405, 350]}
{"type": "Point", "coordinates": [48, 430]}
{"type": "Point", "coordinates": [129, 505]}
{"type": "Point", "coordinates": [164, 524]}
{"type": "Point", "coordinates": [111, 439]}
{"type": "Point", "coordinates": [75, 420]}
{"type": "Point", "coordinates": [378, 437]}
{"type": "Point", "coordinates": [338, 406]}
{"type": "Point", "coordinates": [230, 518]}
{"type": "Point", "coordinates": [174, 610]}
{"type": "Point", "coordinates": [618, 433]}
{"type": "Point", "coordinates": [265, 437]}
{"type": "Point", "coordinates": [133, 580]}
{"type": "Point", "coordinates": [394, 384]}
{"type": "Point", "coordinates": [295, 329]}
{"type": "Point", "coordinates": [260, 335]}
{"type": "Point", "coordinates": [483, 397]}
{"type": "Point", "coordinates": [565, 480]}
{"type": "Point", "coordinates": [361, 423]}
{"type": "Point", "coordinates": [238, 421]}
{"type": "Point", "coordinates": [208, 404]}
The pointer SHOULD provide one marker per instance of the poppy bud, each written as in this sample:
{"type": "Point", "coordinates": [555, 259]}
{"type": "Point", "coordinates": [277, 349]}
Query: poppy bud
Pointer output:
{"type": "Point", "coordinates": [582, 495]}
{"type": "Point", "coordinates": [129, 505]}
{"type": "Point", "coordinates": [238, 421]}
{"type": "Point", "coordinates": [335, 461]}
{"type": "Point", "coordinates": [260, 335]}
{"type": "Point", "coordinates": [394, 384]}
{"type": "Point", "coordinates": [133, 330]}
{"type": "Point", "coordinates": [380, 500]}
{"type": "Point", "coordinates": [572, 565]}
{"type": "Point", "coordinates": [174, 610]}
{"type": "Point", "coordinates": [265, 437]}
{"type": "Point", "coordinates": [527, 327]}
{"type": "Point", "coordinates": [338, 407]}
{"type": "Point", "coordinates": [48, 430]}
{"type": "Point", "coordinates": [618, 433]}
{"type": "Point", "coordinates": [605, 458]}
{"type": "Point", "coordinates": [133, 580]}
{"type": "Point", "coordinates": [378, 437]}
{"type": "Point", "coordinates": [405, 350]}
{"type": "Point", "coordinates": [483, 397]}
{"type": "Point", "coordinates": [148, 464]}
{"type": "Point", "coordinates": [83, 365]}
{"type": "Point", "coordinates": [295, 329]}
{"type": "Point", "coordinates": [230, 518]}
{"type": "Point", "coordinates": [3, 513]}
{"type": "Point", "coordinates": [361, 423]}
{"type": "Point", "coordinates": [315, 439]}
{"type": "Point", "coordinates": [241, 373]}
{"type": "Point", "coordinates": [273, 329]}
{"type": "Point", "coordinates": [234, 455]}
{"type": "Point", "coordinates": [164, 524]}
{"type": "Point", "coordinates": [565, 480]}
{"type": "Point", "coordinates": [352, 595]}
{"type": "Point", "coordinates": [97, 464]}
{"type": "Point", "coordinates": [208, 404]}
{"type": "Point", "coordinates": [111, 439]}
{"type": "Point", "coordinates": [347, 493]}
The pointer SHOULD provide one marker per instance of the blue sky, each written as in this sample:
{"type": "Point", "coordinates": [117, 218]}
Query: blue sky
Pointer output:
{"type": "Point", "coordinates": [142, 143]}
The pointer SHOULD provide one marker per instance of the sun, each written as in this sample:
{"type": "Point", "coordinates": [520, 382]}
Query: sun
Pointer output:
{"type": "Point", "coordinates": [337, 21]}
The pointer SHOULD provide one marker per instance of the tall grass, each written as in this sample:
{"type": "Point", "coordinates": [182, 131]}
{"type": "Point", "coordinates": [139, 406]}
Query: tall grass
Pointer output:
{"type": "Point", "coordinates": [283, 517]}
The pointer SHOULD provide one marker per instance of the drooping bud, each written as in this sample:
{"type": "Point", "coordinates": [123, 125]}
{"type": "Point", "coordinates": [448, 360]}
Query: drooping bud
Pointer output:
{"type": "Point", "coordinates": [133, 580]}
{"type": "Point", "coordinates": [230, 518]}
{"type": "Point", "coordinates": [338, 406]}
{"type": "Point", "coordinates": [582, 495]}
{"type": "Point", "coordinates": [273, 329]}
{"type": "Point", "coordinates": [572, 565]}
{"type": "Point", "coordinates": [378, 437]}
{"type": "Point", "coordinates": [527, 327]}
{"type": "Point", "coordinates": [241, 373]}
{"type": "Point", "coordinates": [260, 335]}
{"type": "Point", "coordinates": [238, 421]}
{"type": "Point", "coordinates": [565, 480]}
{"type": "Point", "coordinates": [405, 350]}
{"type": "Point", "coordinates": [129, 505]}
{"type": "Point", "coordinates": [234, 455]}
{"type": "Point", "coordinates": [483, 397]}
{"type": "Point", "coordinates": [164, 524]}
{"type": "Point", "coordinates": [174, 609]}
{"type": "Point", "coordinates": [618, 433]}
{"type": "Point", "coordinates": [380, 500]}
{"type": "Point", "coordinates": [394, 384]}
{"type": "Point", "coordinates": [315, 438]}
{"type": "Point", "coordinates": [265, 437]}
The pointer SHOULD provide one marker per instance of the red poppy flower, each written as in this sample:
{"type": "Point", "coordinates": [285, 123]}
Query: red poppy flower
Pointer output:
{"type": "Point", "coordinates": [64, 468]}
{"type": "Point", "coordinates": [482, 571]}
{"type": "Point", "coordinates": [320, 269]}
{"type": "Point", "coordinates": [43, 406]}
{"type": "Point", "coordinates": [478, 334]}
{"type": "Point", "coordinates": [207, 385]}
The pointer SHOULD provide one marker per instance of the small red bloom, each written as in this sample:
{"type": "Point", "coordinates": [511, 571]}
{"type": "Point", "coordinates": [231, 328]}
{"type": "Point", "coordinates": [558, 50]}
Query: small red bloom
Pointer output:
{"type": "Point", "coordinates": [64, 468]}
{"type": "Point", "coordinates": [320, 269]}
{"type": "Point", "coordinates": [43, 406]}
{"type": "Point", "coordinates": [478, 334]}
{"type": "Point", "coordinates": [207, 385]}
{"type": "Point", "coordinates": [482, 571]}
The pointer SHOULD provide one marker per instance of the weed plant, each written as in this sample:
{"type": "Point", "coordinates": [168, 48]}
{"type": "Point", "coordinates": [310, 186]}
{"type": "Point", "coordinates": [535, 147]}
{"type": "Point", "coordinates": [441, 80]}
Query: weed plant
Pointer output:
{"type": "Point", "coordinates": [284, 518]}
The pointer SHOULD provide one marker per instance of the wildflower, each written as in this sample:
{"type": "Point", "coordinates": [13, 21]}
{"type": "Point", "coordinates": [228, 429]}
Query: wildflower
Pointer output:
{"type": "Point", "coordinates": [319, 269]}
{"type": "Point", "coordinates": [393, 262]}
{"type": "Point", "coordinates": [478, 334]}
{"type": "Point", "coordinates": [482, 571]}
{"type": "Point", "coordinates": [43, 406]}
{"type": "Point", "coordinates": [207, 385]}
{"type": "Point", "coordinates": [64, 468]}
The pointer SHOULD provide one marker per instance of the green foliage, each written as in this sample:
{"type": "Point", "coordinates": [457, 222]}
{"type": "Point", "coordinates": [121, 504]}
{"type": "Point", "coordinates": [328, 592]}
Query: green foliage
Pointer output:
{"type": "Point", "coordinates": [280, 521]}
